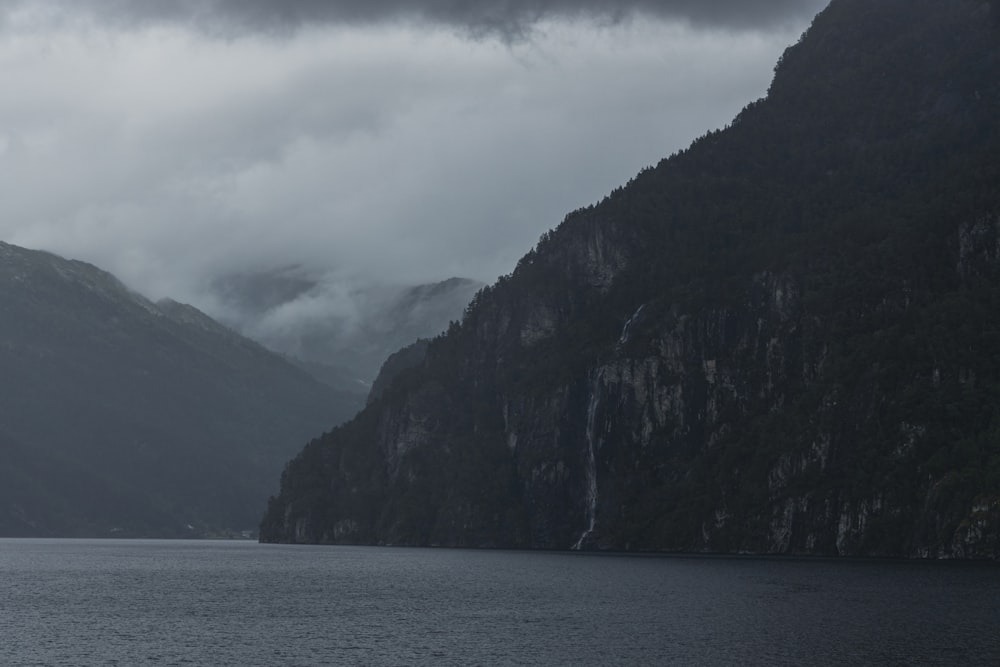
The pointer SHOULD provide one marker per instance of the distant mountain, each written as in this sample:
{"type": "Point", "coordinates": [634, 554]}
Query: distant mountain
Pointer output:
{"type": "Point", "coordinates": [341, 332]}
{"type": "Point", "coordinates": [119, 416]}
{"type": "Point", "coordinates": [784, 339]}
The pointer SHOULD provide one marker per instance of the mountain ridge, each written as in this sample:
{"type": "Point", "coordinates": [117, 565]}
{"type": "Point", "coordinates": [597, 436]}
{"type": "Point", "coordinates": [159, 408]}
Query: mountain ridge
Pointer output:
{"type": "Point", "coordinates": [123, 417]}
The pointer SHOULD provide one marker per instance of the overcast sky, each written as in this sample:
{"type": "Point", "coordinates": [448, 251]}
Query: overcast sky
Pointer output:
{"type": "Point", "coordinates": [396, 141]}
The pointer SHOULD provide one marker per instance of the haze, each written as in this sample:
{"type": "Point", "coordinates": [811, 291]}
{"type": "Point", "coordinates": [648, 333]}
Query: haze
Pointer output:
{"type": "Point", "coordinates": [389, 142]}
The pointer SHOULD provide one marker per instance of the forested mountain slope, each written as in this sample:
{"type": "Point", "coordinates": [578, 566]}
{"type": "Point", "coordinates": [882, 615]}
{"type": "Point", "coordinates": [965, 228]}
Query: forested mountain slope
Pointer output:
{"type": "Point", "coordinates": [784, 339]}
{"type": "Point", "coordinates": [123, 417]}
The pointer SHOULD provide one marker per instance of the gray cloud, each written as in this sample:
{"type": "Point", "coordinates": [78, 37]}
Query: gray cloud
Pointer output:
{"type": "Point", "coordinates": [407, 156]}
{"type": "Point", "coordinates": [389, 154]}
{"type": "Point", "coordinates": [510, 18]}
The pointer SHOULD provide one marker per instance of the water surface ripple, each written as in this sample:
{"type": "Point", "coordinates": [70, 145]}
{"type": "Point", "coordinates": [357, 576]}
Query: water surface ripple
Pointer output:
{"type": "Point", "coordinates": [92, 602]}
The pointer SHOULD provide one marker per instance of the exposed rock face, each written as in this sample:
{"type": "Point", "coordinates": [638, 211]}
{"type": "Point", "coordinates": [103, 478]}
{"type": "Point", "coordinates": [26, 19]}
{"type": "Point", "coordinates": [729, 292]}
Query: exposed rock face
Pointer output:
{"type": "Point", "coordinates": [782, 340]}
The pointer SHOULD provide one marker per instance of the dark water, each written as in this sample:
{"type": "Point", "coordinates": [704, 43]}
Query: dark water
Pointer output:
{"type": "Point", "coordinates": [236, 603]}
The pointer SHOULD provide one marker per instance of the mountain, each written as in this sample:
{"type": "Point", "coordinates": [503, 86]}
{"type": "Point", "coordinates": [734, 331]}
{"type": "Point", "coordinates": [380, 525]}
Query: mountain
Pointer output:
{"type": "Point", "coordinates": [338, 331]}
{"type": "Point", "coordinates": [119, 416]}
{"type": "Point", "coordinates": [784, 339]}
{"type": "Point", "coordinates": [398, 362]}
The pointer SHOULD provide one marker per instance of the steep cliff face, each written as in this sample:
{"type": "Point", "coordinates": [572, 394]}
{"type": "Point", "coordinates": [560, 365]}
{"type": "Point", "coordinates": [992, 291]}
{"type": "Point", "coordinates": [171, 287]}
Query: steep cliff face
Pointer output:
{"type": "Point", "coordinates": [785, 339]}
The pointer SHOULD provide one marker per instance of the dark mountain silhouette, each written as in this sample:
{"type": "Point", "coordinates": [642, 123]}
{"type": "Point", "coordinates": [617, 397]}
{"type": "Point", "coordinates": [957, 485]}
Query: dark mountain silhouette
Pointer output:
{"type": "Point", "coordinates": [119, 416]}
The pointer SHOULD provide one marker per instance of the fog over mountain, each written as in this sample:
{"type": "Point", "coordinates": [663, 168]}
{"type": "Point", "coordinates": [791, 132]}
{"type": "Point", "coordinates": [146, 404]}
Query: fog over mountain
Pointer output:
{"type": "Point", "coordinates": [379, 143]}
{"type": "Point", "coordinates": [341, 332]}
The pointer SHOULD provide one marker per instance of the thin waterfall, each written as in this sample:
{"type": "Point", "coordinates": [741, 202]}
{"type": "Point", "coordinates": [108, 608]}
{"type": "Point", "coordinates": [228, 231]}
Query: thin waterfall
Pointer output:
{"type": "Point", "coordinates": [591, 470]}
{"type": "Point", "coordinates": [627, 329]}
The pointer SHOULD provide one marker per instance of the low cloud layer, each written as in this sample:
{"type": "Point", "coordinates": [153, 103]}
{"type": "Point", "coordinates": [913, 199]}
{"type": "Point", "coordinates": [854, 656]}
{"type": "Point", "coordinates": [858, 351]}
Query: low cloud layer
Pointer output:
{"type": "Point", "coordinates": [507, 17]}
{"type": "Point", "coordinates": [395, 153]}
